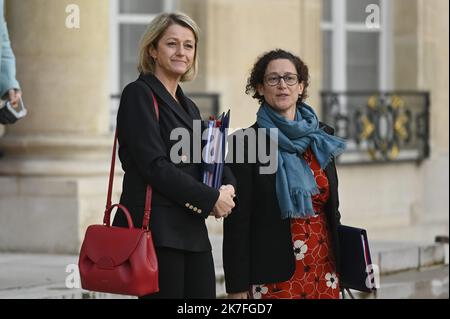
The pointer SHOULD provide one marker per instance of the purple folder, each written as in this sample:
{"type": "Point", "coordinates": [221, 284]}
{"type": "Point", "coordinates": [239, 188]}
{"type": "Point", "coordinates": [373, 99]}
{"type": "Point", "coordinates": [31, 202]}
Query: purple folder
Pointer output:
{"type": "Point", "coordinates": [213, 159]}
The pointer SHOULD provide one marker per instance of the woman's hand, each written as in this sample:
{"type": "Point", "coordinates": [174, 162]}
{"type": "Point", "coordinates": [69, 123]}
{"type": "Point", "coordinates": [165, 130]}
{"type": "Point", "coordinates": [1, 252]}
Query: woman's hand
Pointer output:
{"type": "Point", "coordinates": [228, 187]}
{"type": "Point", "coordinates": [14, 97]}
{"type": "Point", "coordinates": [225, 203]}
{"type": "Point", "coordinates": [238, 295]}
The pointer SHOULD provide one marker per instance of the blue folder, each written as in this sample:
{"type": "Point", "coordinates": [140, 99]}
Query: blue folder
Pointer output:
{"type": "Point", "coordinates": [214, 148]}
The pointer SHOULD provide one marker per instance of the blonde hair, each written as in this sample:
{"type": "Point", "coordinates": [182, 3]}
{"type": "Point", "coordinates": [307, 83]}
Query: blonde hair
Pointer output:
{"type": "Point", "coordinates": [154, 33]}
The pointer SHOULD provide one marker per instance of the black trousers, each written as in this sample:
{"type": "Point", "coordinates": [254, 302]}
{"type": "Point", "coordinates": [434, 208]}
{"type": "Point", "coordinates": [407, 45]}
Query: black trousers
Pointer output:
{"type": "Point", "coordinates": [184, 275]}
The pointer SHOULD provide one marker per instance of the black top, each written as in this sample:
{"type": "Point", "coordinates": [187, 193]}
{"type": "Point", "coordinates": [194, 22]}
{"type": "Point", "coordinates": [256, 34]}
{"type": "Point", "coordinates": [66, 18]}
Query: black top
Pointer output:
{"type": "Point", "coordinates": [257, 243]}
{"type": "Point", "coordinates": [181, 202]}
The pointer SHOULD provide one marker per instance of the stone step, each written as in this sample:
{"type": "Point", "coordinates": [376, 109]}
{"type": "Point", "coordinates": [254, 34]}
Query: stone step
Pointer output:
{"type": "Point", "coordinates": [390, 256]}
{"type": "Point", "coordinates": [427, 283]}
{"type": "Point", "coordinates": [394, 257]}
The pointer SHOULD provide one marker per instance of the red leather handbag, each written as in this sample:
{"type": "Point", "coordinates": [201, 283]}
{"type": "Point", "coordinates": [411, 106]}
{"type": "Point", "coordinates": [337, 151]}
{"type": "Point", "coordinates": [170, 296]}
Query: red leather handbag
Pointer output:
{"type": "Point", "coordinates": [120, 260]}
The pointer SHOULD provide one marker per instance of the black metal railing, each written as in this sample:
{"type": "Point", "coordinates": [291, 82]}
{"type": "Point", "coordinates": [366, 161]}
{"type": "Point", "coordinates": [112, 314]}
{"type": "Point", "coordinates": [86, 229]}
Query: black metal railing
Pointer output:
{"type": "Point", "coordinates": [379, 127]}
{"type": "Point", "coordinates": [208, 104]}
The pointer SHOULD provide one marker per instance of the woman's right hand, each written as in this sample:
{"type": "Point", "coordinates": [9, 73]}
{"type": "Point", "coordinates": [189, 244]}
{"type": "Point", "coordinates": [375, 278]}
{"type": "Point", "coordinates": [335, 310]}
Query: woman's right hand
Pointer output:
{"type": "Point", "coordinates": [225, 203]}
{"type": "Point", "coordinates": [238, 295]}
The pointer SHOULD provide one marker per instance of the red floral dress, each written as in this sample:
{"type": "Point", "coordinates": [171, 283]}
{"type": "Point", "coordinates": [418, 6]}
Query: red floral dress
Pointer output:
{"type": "Point", "coordinates": [315, 276]}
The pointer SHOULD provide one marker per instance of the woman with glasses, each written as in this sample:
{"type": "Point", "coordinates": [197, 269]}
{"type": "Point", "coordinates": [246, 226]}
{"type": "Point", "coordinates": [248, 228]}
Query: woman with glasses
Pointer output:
{"type": "Point", "coordinates": [282, 240]}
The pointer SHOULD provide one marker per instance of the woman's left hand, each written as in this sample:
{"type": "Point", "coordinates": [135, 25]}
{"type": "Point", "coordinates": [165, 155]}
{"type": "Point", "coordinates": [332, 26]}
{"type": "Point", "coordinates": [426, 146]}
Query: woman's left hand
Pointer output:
{"type": "Point", "coordinates": [225, 190]}
{"type": "Point", "coordinates": [228, 187]}
{"type": "Point", "coordinates": [14, 96]}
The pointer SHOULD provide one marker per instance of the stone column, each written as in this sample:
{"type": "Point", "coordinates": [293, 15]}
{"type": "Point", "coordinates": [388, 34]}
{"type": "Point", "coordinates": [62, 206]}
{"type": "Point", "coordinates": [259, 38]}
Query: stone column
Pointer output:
{"type": "Point", "coordinates": [53, 178]}
{"type": "Point", "coordinates": [433, 76]}
{"type": "Point", "coordinates": [405, 42]}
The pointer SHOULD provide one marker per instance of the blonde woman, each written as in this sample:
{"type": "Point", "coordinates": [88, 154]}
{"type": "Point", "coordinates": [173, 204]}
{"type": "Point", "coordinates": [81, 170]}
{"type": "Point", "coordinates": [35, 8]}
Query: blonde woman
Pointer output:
{"type": "Point", "coordinates": [181, 202]}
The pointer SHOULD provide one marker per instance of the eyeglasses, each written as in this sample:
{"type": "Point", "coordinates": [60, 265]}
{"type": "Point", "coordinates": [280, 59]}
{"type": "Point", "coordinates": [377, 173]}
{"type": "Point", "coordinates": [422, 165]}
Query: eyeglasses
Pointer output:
{"type": "Point", "coordinates": [274, 79]}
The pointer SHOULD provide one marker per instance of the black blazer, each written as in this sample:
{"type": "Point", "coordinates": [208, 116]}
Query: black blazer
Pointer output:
{"type": "Point", "coordinates": [181, 202]}
{"type": "Point", "coordinates": [257, 243]}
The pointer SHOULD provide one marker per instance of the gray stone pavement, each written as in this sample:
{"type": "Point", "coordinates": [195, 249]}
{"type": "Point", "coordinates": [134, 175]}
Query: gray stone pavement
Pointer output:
{"type": "Point", "coordinates": [407, 270]}
{"type": "Point", "coordinates": [430, 282]}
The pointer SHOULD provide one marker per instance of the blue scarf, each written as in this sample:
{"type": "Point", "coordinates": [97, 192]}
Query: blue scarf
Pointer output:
{"type": "Point", "coordinates": [295, 182]}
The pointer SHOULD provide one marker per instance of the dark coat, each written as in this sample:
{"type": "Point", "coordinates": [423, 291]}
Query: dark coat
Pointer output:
{"type": "Point", "coordinates": [181, 202]}
{"type": "Point", "coordinates": [257, 243]}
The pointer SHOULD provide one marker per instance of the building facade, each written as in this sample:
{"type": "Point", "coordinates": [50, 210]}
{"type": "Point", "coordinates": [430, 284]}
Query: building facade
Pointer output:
{"type": "Point", "coordinates": [53, 176]}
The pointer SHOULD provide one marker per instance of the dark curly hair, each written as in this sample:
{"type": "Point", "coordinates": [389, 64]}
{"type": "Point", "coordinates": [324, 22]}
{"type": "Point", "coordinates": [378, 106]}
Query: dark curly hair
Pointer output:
{"type": "Point", "coordinates": [259, 69]}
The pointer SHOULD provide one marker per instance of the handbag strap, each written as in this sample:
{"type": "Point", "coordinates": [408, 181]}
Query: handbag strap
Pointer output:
{"type": "Point", "coordinates": [149, 191]}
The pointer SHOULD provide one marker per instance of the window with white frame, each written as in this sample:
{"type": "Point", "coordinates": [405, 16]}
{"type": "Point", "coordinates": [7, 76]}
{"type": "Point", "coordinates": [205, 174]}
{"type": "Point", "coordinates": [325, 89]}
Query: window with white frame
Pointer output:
{"type": "Point", "coordinates": [129, 20]}
{"type": "Point", "coordinates": [355, 56]}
